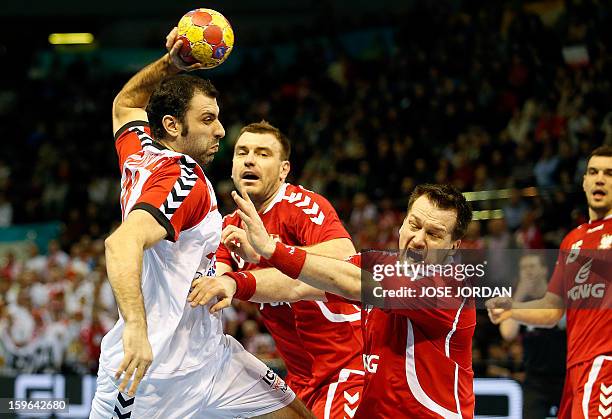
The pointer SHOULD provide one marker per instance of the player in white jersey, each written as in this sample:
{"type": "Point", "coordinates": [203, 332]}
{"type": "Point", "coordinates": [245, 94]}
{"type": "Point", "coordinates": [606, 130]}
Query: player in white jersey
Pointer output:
{"type": "Point", "coordinates": [163, 358]}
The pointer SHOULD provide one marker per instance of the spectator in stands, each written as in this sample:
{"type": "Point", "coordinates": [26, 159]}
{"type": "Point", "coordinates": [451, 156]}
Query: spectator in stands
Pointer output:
{"type": "Point", "coordinates": [544, 349]}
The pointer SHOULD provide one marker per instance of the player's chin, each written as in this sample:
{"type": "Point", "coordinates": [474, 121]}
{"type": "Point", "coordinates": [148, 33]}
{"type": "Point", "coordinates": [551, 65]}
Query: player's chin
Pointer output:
{"type": "Point", "coordinates": [207, 158]}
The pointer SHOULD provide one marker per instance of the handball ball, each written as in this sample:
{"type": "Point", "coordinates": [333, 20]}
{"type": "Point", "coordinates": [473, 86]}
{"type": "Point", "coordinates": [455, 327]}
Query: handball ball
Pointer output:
{"type": "Point", "coordinates": [207, 37]}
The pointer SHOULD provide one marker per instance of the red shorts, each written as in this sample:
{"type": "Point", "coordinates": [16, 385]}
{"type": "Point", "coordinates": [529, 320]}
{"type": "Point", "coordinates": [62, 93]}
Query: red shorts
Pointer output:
{"type": "Point", "coordinates": [339, 399]}
{"type": "Point", "coordinates": [588, 390]}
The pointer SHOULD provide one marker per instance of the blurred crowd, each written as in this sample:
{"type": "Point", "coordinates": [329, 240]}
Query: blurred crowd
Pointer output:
{"type": "Point", "coordinates": [481, 96]}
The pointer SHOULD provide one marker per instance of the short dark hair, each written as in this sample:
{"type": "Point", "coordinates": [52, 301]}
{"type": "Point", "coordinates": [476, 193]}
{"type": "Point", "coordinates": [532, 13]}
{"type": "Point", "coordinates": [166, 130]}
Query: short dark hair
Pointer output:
{"type": "Point", "coordinates": [446, 197]}
{"type": "Point", "coordinates": [264, 127]}
{"type": "Point", "coordinates": [604, 150]}
{"type": "Point", "coordinates": [172, 97]}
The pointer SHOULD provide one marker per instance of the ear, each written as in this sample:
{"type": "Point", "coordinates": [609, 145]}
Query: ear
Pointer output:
{"type": "Point", "coordinates": [285, 169]}
{"type": "Point", "coordinates": [454, 247]}
{"type": "Point", "coordinates": [172, 126]}
{"type": "Point", "coordinates": [584, 182]}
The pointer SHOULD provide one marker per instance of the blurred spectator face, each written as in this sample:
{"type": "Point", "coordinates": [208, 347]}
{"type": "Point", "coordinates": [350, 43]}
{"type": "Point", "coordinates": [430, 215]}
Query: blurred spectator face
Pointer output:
{"type": "Point", "coordinates": [496, 227]}
{"type": "Point", "coordinates": [250, 328]}
{"type": "Point", "coordinates": [5, 285]}
{"type": "Point", "coordinates": [427, 227]}
{"type": "Point", "coordinates": [360, 200]}
{"type": "Point", "coordinates": [531, 268]}
{"type": "Point", "coordinates": [597, 184]}
{"type": "Point", "coordinates": [32, 250]}
{"type": "Point", "coordinates": [53, 246]}
{"type": "Point", "coordinates": [26, 279]}
{"type": "Point", "coordinates": [257, 166]}
{"type": "Point", "coordinates": [515, 197]}
{"type": "Point", "coordinates": [473, 231]}
{"type": "Point", "coordinates": [23, 299]}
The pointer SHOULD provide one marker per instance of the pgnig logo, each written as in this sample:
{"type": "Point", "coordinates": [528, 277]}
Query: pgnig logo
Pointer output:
{"type": "Point", "coordinates": [274, 381]}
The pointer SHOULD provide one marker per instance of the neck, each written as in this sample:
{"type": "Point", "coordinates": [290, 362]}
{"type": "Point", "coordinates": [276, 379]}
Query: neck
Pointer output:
{"type": "Point", "coordinates": [261, 205]}
{"type": "Point", "coordinates": [167, 145]}
{"type": "Point", "coordinates": [596, 215]}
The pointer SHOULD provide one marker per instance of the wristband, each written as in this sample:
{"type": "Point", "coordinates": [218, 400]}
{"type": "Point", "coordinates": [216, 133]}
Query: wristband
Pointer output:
{"type": "Point", "coordinates": [288, 259]}
{"type": "Point", "coordinates": [245, 284]}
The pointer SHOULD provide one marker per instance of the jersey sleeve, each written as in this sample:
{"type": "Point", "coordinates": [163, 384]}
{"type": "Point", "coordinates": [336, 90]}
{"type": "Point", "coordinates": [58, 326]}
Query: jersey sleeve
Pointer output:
{"type": "Point", "coordinates": [315, 220]}
{"type": "Point", "coordinates": [176, 199]}
{"type": "Point", "coordinates": [557, 283]}
{"type": "Point", "coordinates": [131, 138]}
{"type": "Point", "coordinates": [223, 254]}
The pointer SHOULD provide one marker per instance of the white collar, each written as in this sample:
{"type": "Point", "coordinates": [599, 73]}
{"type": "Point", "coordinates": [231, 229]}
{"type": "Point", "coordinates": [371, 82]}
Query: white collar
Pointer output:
{"type": "Point", "coordinates": [279, 197]}
{"type": "Point", "coordinates": [602, 219]}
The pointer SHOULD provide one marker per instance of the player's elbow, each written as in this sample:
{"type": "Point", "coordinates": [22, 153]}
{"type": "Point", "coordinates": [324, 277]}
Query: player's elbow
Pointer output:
{"type": "Point", "coordinates": [119, 104]}
{"type": "Point", "coordinates": [507, 334]}
{"type": "Point", "coordinates": [351, 289]}
{"type": "Point", "coordinates": [111, 245]}
{"type": "Point", "coordinates": [552, 317]}
{"type": "Point", "coordinates": [118, 243]}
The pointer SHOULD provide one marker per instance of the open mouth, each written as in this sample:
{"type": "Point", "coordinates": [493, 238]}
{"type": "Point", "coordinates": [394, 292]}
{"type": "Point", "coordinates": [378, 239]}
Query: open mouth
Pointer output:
{"type": "Point", "coordinates": [414, 254]}
{"type": "Point", "coordinates": [249, 176]}
{"type": "Point", "coordinates": [599, 193]}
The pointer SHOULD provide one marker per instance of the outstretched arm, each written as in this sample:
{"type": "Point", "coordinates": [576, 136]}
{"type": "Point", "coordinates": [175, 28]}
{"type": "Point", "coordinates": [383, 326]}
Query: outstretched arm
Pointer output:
{"type": "Point", "coordinates": [271, 285]}
{"type": "Point", "coordinates": [130, 103]}
{"type": "Point", "coordinates": [544, 312]}
{"type": "Point", "coordinates": [327, 274]}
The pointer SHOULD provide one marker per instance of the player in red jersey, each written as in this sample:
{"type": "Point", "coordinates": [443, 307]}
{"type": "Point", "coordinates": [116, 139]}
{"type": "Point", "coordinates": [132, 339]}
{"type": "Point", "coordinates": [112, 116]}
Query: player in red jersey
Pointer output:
{"type": "Point", "coordinates": [417, 361]}
{"type": "Point", "coordinates": [319, 341]}
{"type": "Point", "coordinates": [580, 288]}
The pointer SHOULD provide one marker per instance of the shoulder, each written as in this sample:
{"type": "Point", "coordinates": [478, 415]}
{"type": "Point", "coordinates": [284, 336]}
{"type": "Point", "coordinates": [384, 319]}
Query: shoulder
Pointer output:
{"type": "Point", "coordinates": [573, 236]}
{"type": "Point", "coordinates": [140, 129]}
{"type": "Point", "coordinates": [298, 200]}
{"type": "Point", "coordinates": [231, 219]}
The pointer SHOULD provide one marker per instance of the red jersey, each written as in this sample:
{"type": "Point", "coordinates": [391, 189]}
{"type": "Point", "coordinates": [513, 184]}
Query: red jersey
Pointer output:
{"type": "Point", "coordinates": [418, 362]}
{"type": "Point", "coordinates": [315, 339]}
{"type": "Point", "coordinates": [582, 278]}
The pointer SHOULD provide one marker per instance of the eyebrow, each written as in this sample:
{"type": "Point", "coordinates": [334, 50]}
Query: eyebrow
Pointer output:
{"type": "Point", "coordinates": [207, 113]}
{"type": "Point", "coordinates": [258, 148]}
{"type": "Point", "coordinates": [436, 228]}
{"type": "Point", "coordinates": [599, 168]}
{"type": "Point", "coordinates": [429, 225]}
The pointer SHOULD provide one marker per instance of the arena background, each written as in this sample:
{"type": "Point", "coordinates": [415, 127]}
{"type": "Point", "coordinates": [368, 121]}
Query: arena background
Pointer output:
{"type": "Point", "coordinates": [502, 99]}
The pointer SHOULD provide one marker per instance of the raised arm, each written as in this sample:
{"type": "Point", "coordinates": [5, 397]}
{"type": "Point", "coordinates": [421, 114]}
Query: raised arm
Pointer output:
{"type": "Point", "coordinates": [130, 103]}
{"type": "Point", "coordinates": [124, 253]}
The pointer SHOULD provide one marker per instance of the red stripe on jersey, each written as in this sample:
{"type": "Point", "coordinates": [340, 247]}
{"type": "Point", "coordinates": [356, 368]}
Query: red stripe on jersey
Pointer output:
{"type": "Point", "coordinates": [131, 138]}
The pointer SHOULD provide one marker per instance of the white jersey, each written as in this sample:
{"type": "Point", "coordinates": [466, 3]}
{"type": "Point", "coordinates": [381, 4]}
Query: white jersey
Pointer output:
{"type": "Point", "coordinates": [172, 188]}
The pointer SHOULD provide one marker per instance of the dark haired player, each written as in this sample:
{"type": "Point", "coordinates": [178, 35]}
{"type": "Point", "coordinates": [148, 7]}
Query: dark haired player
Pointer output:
{"type": "Point", "coordinates": [417, 360]}
{"type": "Point", "coordinates": [580, 288]}
{"type": "Point", "coordinates": [319, 341]}
{"type": "Point", "coordinates": [173, 359]}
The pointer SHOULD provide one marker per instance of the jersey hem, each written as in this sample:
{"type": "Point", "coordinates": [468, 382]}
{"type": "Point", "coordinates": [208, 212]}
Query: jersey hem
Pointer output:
{"type": "Point", "coordinates": [159, 375]}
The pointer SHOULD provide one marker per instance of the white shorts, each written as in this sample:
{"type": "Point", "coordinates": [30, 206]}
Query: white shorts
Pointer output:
{"type": "Point", "coordinates": [239, 386]}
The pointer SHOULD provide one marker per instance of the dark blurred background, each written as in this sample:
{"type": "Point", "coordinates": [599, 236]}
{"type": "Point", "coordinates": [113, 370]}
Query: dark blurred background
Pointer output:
{"type": "Point", "coordinates": [503, 99]}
